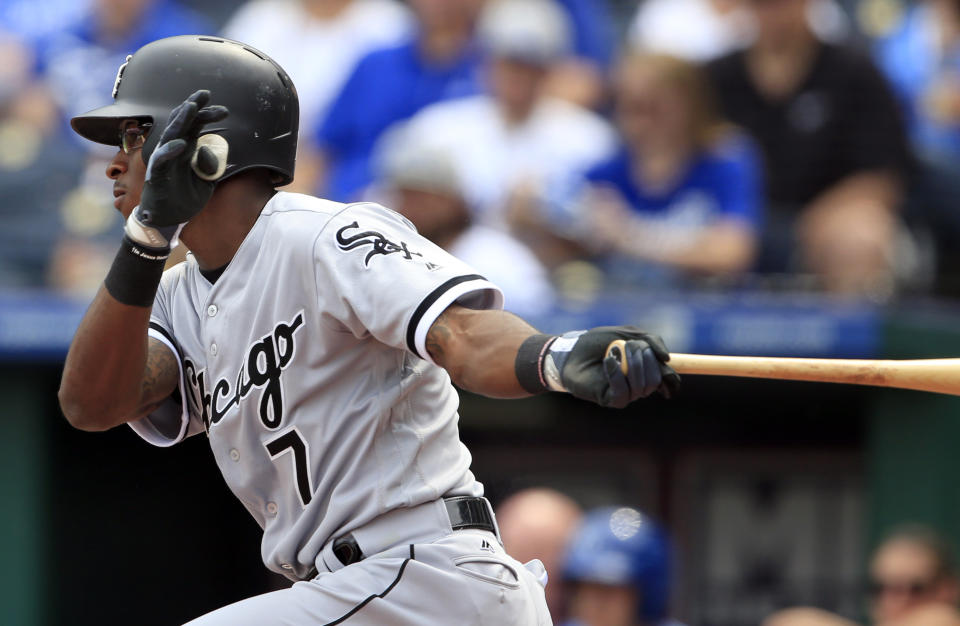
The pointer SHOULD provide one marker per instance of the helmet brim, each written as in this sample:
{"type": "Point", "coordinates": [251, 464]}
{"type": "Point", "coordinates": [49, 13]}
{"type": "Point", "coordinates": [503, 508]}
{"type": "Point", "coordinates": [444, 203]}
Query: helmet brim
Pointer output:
{"type": "Point", "coordinates": [103, 125]}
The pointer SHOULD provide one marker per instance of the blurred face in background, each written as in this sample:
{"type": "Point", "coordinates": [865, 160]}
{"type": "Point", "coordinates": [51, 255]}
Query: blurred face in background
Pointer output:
{"type": "Point", "coordinates": [446, 14]}
{"type": "Point", "coordinates": [436, 215]}
{"type": "Point", "coordinates": [117, 18]}
{"type": "Point", "coordinates": [651, 112]}
{"type": "Point", "coordinates": [538, 523]}
{"type": "Point", "coordinates": [904, 576]}
{"type": "Point", "coordinates": [778, 20]}
{"type": "Point", "coordinates": [603, 605]}
{"type": "Point", "coordinates": [516, 84]}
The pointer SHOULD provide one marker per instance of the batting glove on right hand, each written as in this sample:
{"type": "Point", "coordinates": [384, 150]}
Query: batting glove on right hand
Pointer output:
{"type": "Point", "coordinates": [578, 361]}
{"type": "Point", "coordinates": [174, 191]}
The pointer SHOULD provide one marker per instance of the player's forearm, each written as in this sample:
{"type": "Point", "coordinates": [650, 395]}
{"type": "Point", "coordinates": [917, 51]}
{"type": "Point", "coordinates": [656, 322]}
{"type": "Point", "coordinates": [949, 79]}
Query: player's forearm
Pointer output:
{"type": "Point", "coordinates": [101, 383]}
{"type": "Point", "coordinates": [498, 354]}
{"type": "Point", "coordinates": [479, 349]}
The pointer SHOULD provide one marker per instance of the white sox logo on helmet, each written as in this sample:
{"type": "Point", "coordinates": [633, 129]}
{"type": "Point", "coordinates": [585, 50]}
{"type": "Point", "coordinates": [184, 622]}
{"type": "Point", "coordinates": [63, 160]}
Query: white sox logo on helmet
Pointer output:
{"type": "Point", "coordinates": [116, 83]}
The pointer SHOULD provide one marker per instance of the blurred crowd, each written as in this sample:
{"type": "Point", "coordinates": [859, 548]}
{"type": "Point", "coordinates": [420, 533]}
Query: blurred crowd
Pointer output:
{"type": "Point", "coordinates": [559, 146]}
{"type": "Point", "coordinates": [613, 566]}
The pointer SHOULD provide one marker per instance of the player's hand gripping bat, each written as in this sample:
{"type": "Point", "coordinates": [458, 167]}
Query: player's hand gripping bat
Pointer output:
{"type": "Point", "coordinates": [936, 375]}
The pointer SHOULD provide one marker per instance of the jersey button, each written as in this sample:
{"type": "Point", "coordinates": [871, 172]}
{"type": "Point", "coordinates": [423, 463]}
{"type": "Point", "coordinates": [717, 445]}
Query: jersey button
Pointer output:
{"type": "Point", "coordinates": [272, 508]}
{"type": "Point", "coordinates": [286, 566]}
{"type": "Point", "coordinates": [235, 455]}
{"type": "Point", "coordinates": [213, 349]}
{"type": "Point", "coordinates": [212, 310]}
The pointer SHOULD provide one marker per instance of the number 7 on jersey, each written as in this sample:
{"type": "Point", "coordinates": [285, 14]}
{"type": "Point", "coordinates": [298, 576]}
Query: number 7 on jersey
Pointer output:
{"type": "Point", "coordinates": [293, 441]}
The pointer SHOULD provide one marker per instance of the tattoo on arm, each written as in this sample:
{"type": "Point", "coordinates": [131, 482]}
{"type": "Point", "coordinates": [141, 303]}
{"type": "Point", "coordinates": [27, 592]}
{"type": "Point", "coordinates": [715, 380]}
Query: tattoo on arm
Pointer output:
{"type": "Point", "coordinates": [438, 335]}
{"type": "Point", "coordinates": [160, 377]}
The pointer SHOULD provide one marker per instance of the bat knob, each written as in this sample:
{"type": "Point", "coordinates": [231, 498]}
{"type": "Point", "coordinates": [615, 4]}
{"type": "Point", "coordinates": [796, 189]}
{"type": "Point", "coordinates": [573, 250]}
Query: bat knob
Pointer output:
{"type": "Point", "coordinates": [618, 350]}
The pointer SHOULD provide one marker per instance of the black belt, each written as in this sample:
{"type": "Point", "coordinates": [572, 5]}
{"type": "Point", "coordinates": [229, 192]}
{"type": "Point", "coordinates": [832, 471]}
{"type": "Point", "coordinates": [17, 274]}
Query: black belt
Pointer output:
{"type": "Point", "coordinates": [464, 512]}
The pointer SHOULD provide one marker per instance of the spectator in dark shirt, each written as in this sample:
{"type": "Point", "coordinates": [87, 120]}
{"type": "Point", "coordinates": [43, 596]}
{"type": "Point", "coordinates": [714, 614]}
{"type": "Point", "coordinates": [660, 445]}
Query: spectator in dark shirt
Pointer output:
{"type": "Point", "coordinates": [390, 85]}
{"type": "Point", "coordinates": [834, 144]}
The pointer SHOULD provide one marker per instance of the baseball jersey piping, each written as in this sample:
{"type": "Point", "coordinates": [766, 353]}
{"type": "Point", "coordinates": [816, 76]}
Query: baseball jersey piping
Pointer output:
{"type": "Point", "coordinates": [382, 594]}
{"type": "Point", "coordinates": [173, 342]}
{"type": "Point", "coordinates": [427, 303]}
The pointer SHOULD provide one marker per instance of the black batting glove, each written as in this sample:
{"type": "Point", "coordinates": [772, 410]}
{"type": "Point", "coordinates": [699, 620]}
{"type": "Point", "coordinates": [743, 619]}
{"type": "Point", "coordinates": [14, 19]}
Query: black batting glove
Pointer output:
{"type": "Point", "coordinates": [578, 362]}
{"type": "Point", "coordinates": [177, 183]}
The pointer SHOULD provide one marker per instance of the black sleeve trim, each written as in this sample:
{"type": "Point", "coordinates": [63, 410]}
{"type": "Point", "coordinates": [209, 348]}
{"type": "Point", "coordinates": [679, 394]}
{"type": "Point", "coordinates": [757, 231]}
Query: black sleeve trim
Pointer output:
{"type": "Point", "coordinates": [173, 342]}
{"type": "Point", "coordinates": [428, 302]}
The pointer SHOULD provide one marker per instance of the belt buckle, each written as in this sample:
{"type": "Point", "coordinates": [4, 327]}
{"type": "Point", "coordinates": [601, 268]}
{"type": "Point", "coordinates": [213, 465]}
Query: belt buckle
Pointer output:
{"type": "Point", "coordinates": [470, 512]}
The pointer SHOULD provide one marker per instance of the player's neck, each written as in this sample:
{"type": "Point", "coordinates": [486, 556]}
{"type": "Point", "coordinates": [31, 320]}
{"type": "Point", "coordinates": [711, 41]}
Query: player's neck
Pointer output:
{"type": "Point", "coordinates": [215, 234]}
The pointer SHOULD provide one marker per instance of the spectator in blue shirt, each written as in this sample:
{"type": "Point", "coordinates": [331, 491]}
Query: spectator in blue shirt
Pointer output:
{"type": "Point", "coordinates": [684, 192]}
{"type": "Point", "coordinates": [390, 85]}
{"type": "Point", "coordinates": [921, 57]}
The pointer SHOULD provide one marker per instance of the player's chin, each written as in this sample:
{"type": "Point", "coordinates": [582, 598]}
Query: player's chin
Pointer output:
{"type": "Point", "coordinates": [126, 203]}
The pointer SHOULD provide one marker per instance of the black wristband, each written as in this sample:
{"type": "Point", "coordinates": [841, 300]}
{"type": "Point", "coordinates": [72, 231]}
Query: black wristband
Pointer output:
{"type": "Point", "coordinates": [529, 364]}
{"type": "Point", "coordinates": [135, 274]}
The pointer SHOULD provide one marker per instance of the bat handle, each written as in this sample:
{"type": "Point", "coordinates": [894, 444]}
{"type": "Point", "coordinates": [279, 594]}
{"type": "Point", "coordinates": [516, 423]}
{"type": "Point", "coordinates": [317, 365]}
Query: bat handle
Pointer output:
{"type": "Point", "coordinates": [618, 350]}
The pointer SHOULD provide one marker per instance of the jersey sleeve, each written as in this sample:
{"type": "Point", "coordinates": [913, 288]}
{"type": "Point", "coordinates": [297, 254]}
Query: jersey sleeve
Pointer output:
{"type": "Point", "coordinates": [172, 421]}
{"type": "Point", "coordinates": [376, 275]}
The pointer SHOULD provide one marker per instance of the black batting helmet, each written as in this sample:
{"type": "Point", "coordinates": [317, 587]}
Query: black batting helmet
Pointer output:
{"type": "Point", "coordinates": [261, 129]}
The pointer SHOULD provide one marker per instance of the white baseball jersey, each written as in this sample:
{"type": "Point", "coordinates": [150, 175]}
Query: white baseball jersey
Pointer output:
{"type": "Point", "coordinates": [305, 365]}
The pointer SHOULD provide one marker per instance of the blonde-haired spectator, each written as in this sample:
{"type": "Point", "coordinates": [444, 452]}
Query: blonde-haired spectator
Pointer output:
{"type": "Point", "coordinates": [683, 195]}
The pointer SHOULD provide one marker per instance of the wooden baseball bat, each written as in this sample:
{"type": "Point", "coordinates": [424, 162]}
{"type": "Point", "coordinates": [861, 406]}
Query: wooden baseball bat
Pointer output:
{"type": "Point", "coordinates": [936, 375]}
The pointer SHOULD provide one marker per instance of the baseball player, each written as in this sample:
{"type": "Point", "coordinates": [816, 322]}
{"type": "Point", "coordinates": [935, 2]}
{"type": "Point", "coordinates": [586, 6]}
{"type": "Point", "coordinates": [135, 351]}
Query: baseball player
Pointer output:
{"type": "Point", "coordinates": [314, 344]}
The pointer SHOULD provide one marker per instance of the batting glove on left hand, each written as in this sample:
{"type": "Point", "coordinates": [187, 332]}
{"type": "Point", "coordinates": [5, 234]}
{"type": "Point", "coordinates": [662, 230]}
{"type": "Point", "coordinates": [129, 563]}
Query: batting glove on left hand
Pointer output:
{"type": "Point", "coordinates": [174, 191]}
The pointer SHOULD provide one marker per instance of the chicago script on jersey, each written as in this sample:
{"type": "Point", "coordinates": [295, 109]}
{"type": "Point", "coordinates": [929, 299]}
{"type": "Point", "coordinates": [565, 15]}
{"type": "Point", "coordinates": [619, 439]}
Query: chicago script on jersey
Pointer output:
{"type": "Point", "coordinates": [265, 362]}
{"type": "Point", "coordinates": [379, 243]}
